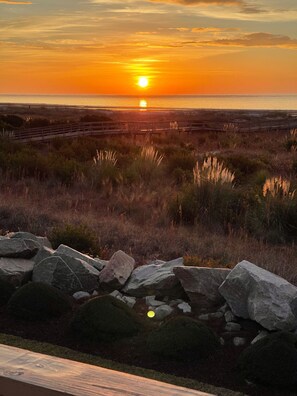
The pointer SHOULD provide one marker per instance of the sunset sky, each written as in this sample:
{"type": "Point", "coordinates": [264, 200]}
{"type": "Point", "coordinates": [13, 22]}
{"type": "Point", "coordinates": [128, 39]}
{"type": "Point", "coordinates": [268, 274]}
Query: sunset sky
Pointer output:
{"type": "Point", "coordinates": [181, 46]}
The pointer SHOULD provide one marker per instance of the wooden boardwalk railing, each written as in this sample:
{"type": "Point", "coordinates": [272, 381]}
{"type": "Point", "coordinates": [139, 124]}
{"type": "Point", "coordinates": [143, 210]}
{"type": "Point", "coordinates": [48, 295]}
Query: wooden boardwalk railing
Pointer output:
{"type": "Point", "coordinates": [25, 373]}
{"type": "Point", "coordinates": [133, 128]}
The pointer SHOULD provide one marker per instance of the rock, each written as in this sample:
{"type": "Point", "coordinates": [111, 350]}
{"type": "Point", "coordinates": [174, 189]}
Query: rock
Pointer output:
{"type": "Point", "coordinates": [185, 307]}
{"type": "Point", "coordinates": [163, 311]}
{"type": "Point", "coordinates": [117, 271]}
{"type": "Point", "coordinates": [130, 301]}
{"type": "Point", "coordinates": [43, 241]}
{"type": "Point", "coordinates": [150, 301]}
{"type": "Point", "coordinates": [231, 326]}
{"type": "Point", "coordinates": [42, 254]}
{"type": "Point", "coordinates": [257, 294]}
{"type": "Point", "coordinates": [68, 251]}
{"type": "Point", "coordinates": [202, 284]}
{"type": "Point", "coordinates": [173, 303]}
{"type": "Point", "coordinates": [222, 341]}
{"type": "Point", "coordinates": [81, 295]}
{"type": "Point", "coordinates": [116, 294]}
{"type": "Point", "coordinates": [239, 341]}
{"type": "Point", "coordinates": [95, 293]}
{"type": "Point", "coordinates": [229, 317]}
{"type": "Point", "coordinates": [212, 315]}
{"type": "Point", "coordinates": [16, 271]}
{"type": "Point", "coordinates": [18, 248]}
{"type": "Point", "coordinates": [155, 279]}
{"type": "Point", "coordinates": [261, 335]}
{"type": "Point", "coordinates": [66, 273]}
{"type": "Point", "coordinates": [204, 317]}
{"type": "Point", "coordinates": [224, 308]}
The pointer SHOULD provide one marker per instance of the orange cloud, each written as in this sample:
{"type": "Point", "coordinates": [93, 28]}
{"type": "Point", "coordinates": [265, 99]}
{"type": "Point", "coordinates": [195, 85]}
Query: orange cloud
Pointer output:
{"type": "Point", "coordinates": [15, 2]}
{"type": "Point", "coordinates": [198, 2]}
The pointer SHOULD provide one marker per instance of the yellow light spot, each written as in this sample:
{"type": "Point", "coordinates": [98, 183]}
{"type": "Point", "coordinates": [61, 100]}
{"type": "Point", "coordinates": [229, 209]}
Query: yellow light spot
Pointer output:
{"type": "Point", "coordinates": [143, 82]}
{"type": "Point", "coordinates": [151, 314]}
{"type": "Point", "coordinates": [143, 103]}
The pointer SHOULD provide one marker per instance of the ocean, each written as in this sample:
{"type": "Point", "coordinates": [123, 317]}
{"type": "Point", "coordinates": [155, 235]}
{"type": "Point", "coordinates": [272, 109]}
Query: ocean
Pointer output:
{"type": "Point", "coordinates": [236, 102]}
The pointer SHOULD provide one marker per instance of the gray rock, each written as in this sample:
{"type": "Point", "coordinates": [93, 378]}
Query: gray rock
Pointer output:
{"type": "Point", "coordinates": [257, 294]}
{"type": "Point", "coordinates": [185, 307]}
{"type": "Point", "coordinates": [163, 311]}
{"type": "Point", "coordinates": [222, 341]}
{"type": "Point", "coordinates": [150, 301]}
{"type": "Point", "coordinates": [81, 295]}
{"type": "Point", "coordinates": [261, 335]}
{"type": "Point", "coordinates": [224, 308]}
{"type": "Point", "coordinates": [174, 303]}
{"type": "Point", "coordinates": [117, 271]}
{"type": "Point", "coordinates": [68, 251]}
{"type": "Point", "coordinates": [43, 241]}
{"type": "Point", "coordinates": [66, 273]}
{"type": "Point", "coordinates": [239, 341]}
{"type": "Point", "coordinates": [18, 248]}
{"type": "Point", "coordinates": [16, 271]}
{"type": "Point", "coordinates": [155, 279]}
{"type": "Point", "coordinates": [130, 301]}
{"type": "Point", "coordinates": [116, 294]}
{"type": "Point", "coordinates": [204, 317]}
{"type": "Point", "coordinates": [231, 326]}
{"type": "Point", "coordinates": [229, 317]}
{"type": "Point", "coordinates": [95, 293]}
{"type": "Point", "coordinates": [202, 284]}
{"type": "Point", "coordinates": [42, 254]}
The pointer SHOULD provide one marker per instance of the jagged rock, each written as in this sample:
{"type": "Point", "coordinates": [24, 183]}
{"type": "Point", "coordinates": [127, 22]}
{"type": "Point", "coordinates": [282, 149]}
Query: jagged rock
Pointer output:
{"type": "Point", "coordinates": [163, 311]}
{"type": "Point", "coordinates": [16, 271]}
{"type": "Point", "coordinates": [152, 302]}
{"type": "Point", "coordinates": [155, 279]}
{"type": "Point", "coordinates": [130, 301]}
{"type": "Point", "coordinates": [66, 273]}
{"type": "Point", "coordinates": [18, 248]}
{"type": "Point", "coordinates": [261, 335]}
{"type": "Point", "coordinates": [229, 317]}
{"type": "Point", "coordinates": [204, 317]}
{"type": "Point", "coordinates": [202, 284]}
{"type": "Point", "coordinates": [212, 315]}
{"type": "Point", "coordinates": [95, 293]}
{"type": "Point", "coordinates": [116, 294]}
{"type": "Point", "coordinates": [239, 341]}
{"type": "Point", "coordinates": [43, 241]}
{"type": "Point", "coordinates": [42, 254]}
{"type": "Point", "coordinates": [81, 295]}
{"type": "Point", "coordinates": [117, 271]}
{"type": "Point", "coordinates": [68, 251]}
{"type": "Point", "coordinates": [175, 302]}
{"type": "Point", "coordinates": [224, 308]}
{"type": "Point", "coordinates": [257, 294]}
{"type": "Point", "coordinates": [231, 326]}
{"type": "Point", "coordinates": [185, 307]}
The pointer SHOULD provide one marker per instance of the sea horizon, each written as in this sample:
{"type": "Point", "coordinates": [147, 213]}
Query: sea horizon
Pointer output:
{"type": "Point", "coordinates": [183, 101]}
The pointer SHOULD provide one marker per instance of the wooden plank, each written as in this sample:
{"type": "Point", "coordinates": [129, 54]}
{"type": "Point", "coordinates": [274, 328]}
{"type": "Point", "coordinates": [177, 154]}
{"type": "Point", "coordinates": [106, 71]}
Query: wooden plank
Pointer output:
{"type": "Point", "coordinates": [27, 373]}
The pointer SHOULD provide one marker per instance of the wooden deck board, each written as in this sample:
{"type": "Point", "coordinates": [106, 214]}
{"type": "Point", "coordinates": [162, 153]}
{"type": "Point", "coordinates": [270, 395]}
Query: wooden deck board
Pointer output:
{"type": "Point", "coordinates": [28, 373]}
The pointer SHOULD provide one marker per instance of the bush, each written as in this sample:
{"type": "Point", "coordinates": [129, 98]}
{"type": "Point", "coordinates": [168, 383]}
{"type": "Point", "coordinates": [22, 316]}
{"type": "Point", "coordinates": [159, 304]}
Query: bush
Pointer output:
{"type": "Point", "coordinates": [184, 161]}
{"type": "Point", "coordinates": [183, 338]}
{"type": "Point", "coordinates": [271, 360]}
{"type": "Point", "coordinates": [37, 301]}
{"type": "Point", "coordinates": [6, 291]}
{"type": "Point", "coordinates": [105, 319]}
{"type": "Point", "coordinates": [79, 237]}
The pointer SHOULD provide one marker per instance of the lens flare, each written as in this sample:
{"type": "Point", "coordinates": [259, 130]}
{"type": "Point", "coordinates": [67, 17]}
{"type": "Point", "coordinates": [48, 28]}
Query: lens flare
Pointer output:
{"type": "Point", "coordinates": [151, 314]}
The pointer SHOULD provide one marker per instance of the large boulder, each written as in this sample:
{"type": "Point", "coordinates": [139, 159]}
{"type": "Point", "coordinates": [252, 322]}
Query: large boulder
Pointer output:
{"type": "Point", "coordinates": [18, 248]}
{"type": "Point", "coordinates": [257, 294]}
{"type": "Point", "coordinates": [117, 271]}
{"type": "Point", "coordinates": [42, 254]}
{"type": "Point", "coordinates": [16, 271]}
{"type": "Point", "coordinates": [43, 241]}
{"type": "Point", "coordinates": [155, 279]}
{"type": "Point", "coordinates": [68, 251]}
{"type": "Point", "coordinates": [66, 273]}
{"type": "Point", "coordinates": [202, 284]}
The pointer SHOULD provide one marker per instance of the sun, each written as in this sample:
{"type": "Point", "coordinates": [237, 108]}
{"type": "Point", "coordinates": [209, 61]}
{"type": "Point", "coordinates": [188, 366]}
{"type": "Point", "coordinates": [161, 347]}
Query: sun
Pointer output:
{"type": "Point", "coordinates": [143, 82]}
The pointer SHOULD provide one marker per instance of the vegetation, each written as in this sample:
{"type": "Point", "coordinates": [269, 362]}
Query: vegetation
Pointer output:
{"type": "Point", "coordinates": [38, 301]}
{"type": "Point", "coordinates": [106, 318]}
{"type": "Point", "coordinates": [183, 338]}
{"type": "Point", "coordinates": [271, 360]}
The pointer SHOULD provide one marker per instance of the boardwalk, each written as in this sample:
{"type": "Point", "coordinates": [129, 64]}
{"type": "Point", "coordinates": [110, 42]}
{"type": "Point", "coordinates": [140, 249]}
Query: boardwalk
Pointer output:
{"type": "Point", "coordinates": [111, 128]}
{"type": "Point", "coordinates": [27, 373]}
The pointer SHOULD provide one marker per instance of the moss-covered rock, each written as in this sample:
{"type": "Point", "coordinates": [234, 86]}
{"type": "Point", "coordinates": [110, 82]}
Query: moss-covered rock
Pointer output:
{"type": "Point", "coordinates": [105, 318]}
{"type": "Point", "coordinates": [183, 338]}
{"type": "Point", "coordinates": [36, 301]}
{"type": "Point", "coordinates": [271, 360]}
{"type": "Point", "coordinates": [6, 291]}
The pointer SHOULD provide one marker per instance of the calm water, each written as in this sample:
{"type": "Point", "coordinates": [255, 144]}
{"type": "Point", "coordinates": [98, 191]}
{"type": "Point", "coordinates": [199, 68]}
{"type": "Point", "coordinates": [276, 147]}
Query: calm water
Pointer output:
{"type": "Point", "coordinates": [248, 102]}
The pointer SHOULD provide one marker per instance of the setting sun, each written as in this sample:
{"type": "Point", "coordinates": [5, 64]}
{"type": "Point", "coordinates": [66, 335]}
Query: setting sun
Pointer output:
{"type": "Point", "coordinates": [143, 82]}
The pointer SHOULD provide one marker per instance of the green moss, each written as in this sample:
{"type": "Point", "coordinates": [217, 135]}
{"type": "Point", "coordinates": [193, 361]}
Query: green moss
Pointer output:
{"type": "Point", "coordinates": [37, 301]}
{"type": "Point", "coordinates": [183, 338]}
{"type": "Point", "coordinates": [272, 360]}
{"type": "Point", "coordinates": [105, 318]}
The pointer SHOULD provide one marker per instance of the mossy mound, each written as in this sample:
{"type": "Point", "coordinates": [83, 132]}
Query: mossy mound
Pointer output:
{"type": "Point", "coordinates": [37, 301]}
{"type": "Point", "coordinates": [271, 360]}
{"type": "Point", "coordinates": [183, 338]}
{"type": "Point", "coordinates": [6, 291]}
{"type": "Point", "coordinates": [105, 318]}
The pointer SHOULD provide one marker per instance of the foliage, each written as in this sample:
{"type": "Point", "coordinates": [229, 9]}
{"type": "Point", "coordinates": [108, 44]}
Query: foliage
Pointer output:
{"type": "Point", "coordinates": [79, 237]}
{"type": "Point", "coordinates": [105, 318]}
{"type": "Point", "coordinates": [37, 301]}
{"type": "Point", "coordinates": [104, 168]}
{"type": "Point", "coordinates": [146, 166]}
{"type": "Point", "coordinates": [271, 360]}
{"type": "Point", "coordinates": [278, 187]}
{"type": "Point", "coordinates": [180, 160]}
{"type": "Point", "coordinates": [212, 171]}
{"type": "Point", "coordinates": [6, 291]}
{"type": "Point", "coordinates": [183, 338]}
{"type": "Point", "coordinates": [12, 120]}
{"type": "Point", "coordinates": [196, 261]}
{"type": "Point", "coordinates": [245, 167]}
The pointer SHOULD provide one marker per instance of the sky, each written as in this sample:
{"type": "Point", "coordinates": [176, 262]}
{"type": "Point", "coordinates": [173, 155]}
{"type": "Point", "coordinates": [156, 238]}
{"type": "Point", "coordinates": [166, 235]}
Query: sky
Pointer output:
{"type": "Point", "coordinates": [181, 46]}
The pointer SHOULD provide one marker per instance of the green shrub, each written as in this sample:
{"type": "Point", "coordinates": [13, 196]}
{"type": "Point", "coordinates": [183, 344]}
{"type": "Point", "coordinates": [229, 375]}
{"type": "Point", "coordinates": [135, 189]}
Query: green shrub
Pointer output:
{"type": "Point", "coordinates": [182, 160]}
{"type": "Point", "coordinates": [105, 319]}
{"type": "Point", "coordinates": [244, 167]}
{"type": "Point", "coordinates": [6, 291]}
{"type": "Point", "coordinates": [271, 360]}
{"type": "Point", "coordinates": [79, 237]}
{"type": "Point", "coordinates": [183, 338]}
{"type": "Point", "coordinates": [37, 301]}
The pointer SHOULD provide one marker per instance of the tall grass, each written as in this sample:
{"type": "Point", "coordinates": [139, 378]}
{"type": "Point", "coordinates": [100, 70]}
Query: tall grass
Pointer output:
{"type": "Point", "coordinates": [212, 171]}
